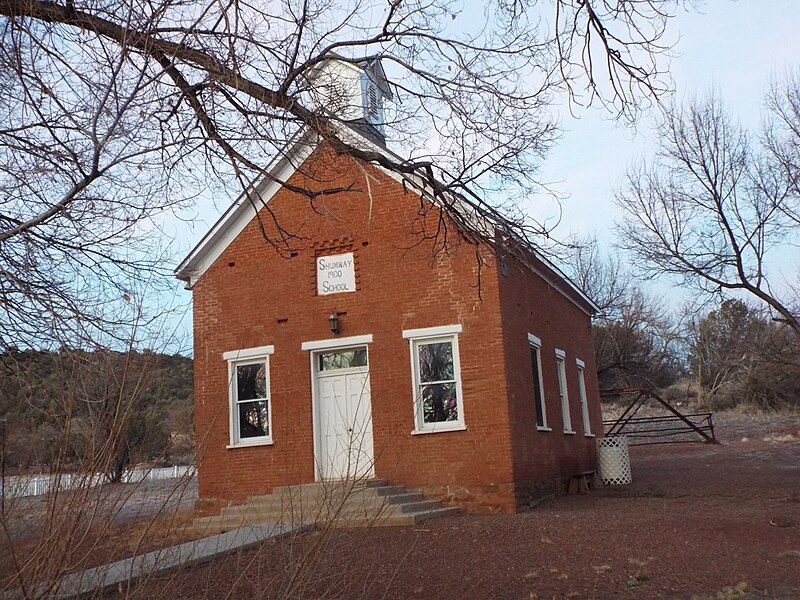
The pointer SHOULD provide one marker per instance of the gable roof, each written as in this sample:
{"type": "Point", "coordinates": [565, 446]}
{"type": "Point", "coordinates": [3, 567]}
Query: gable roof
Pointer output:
{"type": "Point", "coordinates": [233, 221]}
{"type": "Point", "coordinates": [236, 217]}
{"type": "Point", "coordinates": [300, 146]}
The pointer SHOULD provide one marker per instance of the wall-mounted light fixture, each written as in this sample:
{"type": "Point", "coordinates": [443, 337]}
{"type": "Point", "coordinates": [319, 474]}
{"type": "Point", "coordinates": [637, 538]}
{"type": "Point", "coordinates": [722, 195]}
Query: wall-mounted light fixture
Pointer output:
{"type": "Point", "coordinates": [333, 322]}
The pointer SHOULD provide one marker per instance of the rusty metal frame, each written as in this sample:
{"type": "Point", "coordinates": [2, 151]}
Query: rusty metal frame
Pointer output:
{"type": "Point", "coordinates": [705, 427]}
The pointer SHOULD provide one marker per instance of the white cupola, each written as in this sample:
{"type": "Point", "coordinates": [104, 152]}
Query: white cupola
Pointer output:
{"type": "Point", "coordinates": [352, 91]}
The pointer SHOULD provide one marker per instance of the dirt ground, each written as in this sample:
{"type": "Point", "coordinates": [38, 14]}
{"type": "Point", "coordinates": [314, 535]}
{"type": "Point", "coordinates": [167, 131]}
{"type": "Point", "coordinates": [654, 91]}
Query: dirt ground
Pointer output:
{"type": "Point", "coordinates": [84, 528]}
{"type": "Point", "coordinates": [698, 521]}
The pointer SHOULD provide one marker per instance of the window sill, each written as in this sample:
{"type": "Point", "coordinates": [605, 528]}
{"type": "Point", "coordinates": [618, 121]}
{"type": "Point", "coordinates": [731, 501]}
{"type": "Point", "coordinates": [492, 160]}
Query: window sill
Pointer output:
{"type": "Point", "coordinates": [543, 428]}
{"type": "Point", "coordinates": [439, 430]}
{"type": "Point", "coordinates": [265, 442]}
{"type": "Point", "coordinates": [588, 435]}
{"type": "Point", "coordinates": [570, 433]}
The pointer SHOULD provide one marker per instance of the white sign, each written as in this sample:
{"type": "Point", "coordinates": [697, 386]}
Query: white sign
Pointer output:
{"type": "Point", "coordinates": [335, 274]}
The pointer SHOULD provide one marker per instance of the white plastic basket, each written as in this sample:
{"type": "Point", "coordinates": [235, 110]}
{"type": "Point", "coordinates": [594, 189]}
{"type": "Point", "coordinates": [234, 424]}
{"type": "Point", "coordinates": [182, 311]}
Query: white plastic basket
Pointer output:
{"type": "Point", "coordinates": [613, 460]}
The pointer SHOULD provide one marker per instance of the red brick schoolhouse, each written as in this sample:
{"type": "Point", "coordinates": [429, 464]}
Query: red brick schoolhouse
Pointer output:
{"type": "Point", "coordinates": [368, 351]}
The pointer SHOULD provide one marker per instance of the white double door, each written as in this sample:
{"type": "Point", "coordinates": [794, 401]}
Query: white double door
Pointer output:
{"type": "Point", "coordinates": [344, 429]}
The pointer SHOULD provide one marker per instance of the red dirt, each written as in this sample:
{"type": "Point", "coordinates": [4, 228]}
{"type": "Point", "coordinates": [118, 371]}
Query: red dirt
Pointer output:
{"type": "Point", "coordinates": [697, 519]}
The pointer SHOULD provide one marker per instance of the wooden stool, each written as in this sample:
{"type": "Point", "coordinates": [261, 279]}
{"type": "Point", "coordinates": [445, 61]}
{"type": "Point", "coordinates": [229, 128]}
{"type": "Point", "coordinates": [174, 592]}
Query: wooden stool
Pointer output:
{"type": "Point", "coordinates": [580, 483]}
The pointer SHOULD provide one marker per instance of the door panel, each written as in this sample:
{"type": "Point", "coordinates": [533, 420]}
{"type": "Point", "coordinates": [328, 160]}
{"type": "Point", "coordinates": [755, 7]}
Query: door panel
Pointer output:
{"type": "Point", "coordinates": [360, 426]}
{"type": "Point", "coordinates": [345, 423]}
{"type": "Point", "coordinates": [333, 419]}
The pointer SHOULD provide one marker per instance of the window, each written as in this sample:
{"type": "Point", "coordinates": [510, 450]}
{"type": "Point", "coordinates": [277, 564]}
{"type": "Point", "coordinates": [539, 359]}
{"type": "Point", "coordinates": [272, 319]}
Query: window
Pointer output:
{"type": "Point", "coordinates": [342, 359]}
{"type": "Point", "coordinates": [436, 379]}
{"type": "Point", "coordinates": [587, 426]}
{"type": "Point", "coordinates": [538, 388]}
{"type": "Point", "coordinates": [249, 396]}
{"type": "Point", "coordinates": [562, 391]}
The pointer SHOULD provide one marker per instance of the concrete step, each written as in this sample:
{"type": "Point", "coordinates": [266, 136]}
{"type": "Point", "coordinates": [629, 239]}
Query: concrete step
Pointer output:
{"type": "Point", "coordinates": [418, 506]}
{"type": "Point", "coordinates": [269, 511]}
{"type": "Point", "coordinates": [386, 505]}
{"type": "Point", "coordinates": [342, 504]}
{"type": "Point", "coordinates": [374, 497]}
{"type": "Point", "coordinates": [390, 490]}
{"type": "Point", "coordinates": [231, 523]}
{"type": "Point", "coordinates": [318, 495]}
{"type": "Point", "coordinates": [395, 520]}
{"type": "Point", "coordinates": [328, 488]}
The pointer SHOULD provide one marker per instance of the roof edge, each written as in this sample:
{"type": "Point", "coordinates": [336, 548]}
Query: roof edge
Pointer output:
{"type": "Point", "coordinates": [236, 217]}
{"type": "Point", "coordinates": [298, 149]}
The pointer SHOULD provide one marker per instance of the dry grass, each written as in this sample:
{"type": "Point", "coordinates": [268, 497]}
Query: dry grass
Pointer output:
{"type": "Point", "coordinates": [48, 536]}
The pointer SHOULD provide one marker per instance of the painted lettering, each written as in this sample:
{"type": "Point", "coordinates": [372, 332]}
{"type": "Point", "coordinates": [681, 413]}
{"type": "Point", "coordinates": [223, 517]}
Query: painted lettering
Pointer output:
{"type": "Point", "coordinates": [336, 274]}
{"type": "Point", "coordinates": [325, 265]}
{"type": "Point", "coordinates": [328, 288]}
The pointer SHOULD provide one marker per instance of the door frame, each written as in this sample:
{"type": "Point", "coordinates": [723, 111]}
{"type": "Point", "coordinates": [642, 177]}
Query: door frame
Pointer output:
{"type": "Point", "coordinates": [314, 348]}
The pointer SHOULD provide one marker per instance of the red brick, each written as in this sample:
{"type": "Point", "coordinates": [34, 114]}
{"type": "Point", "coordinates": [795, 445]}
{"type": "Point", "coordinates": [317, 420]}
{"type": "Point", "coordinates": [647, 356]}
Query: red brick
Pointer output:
{"type": "Point", "coordinates": [501, 461]}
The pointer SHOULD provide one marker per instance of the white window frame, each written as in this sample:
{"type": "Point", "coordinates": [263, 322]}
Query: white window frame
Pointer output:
{"type": "Point", "coordinates": [432, 335]}
{"type": "Point", "coordinates": [536, 343]}
{"type": "Point", "coordinates": [332, 344]}
{"type": "Point", "coordinates": [235, 358]}
{"type": "Point", "coordinates": [561, 369]}
{"type": "Point", "coordinates": [587, 425]}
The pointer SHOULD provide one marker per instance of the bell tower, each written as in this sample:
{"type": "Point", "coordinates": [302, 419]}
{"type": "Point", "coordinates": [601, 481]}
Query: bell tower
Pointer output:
{"type": "Point", "coordinates": [353, 92]}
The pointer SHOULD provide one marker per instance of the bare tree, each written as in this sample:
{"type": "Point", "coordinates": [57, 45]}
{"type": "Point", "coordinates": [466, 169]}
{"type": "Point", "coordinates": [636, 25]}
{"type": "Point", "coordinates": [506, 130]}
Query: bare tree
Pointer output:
{"type": "Point", "coordinates": [637, 342]}
{"type": "Point", "coordinates": [715, 207]}
{"type": "Point", "coordinates": [100, 420]}
{"type": "Point", "coordinates": [639, 346]}
{"type": "Point", "coordinates": [114, 114]}
{"type": "Point", "coordinates": [601, 277]}
{"type": "Point", "coordinates": [738, 356]}
{"type": "Point", "coordinates": [782, 134]}
{"type": "Point", "coordinates": [722, 347]}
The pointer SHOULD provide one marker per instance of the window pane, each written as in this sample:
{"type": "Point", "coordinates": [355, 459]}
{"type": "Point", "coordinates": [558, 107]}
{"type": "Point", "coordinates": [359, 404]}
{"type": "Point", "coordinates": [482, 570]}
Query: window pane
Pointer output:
{"type": "Point", "coordinates": [537, 390]}
{"type": "Point", "coordinates": [562, 390]}
{"type": "Point", "coordinates": [561, 377]}
{"type": "Point", "coordinates": [587, 426]}
{"type": "Point", "coordinates": [436, 362]}
{"type": "Point", "coordinates": [253, 419]}
{"type": "Point", "coordinates": [439, 402]}
{"type": "Point", "coordinates": [343, 359]}
{"type": "Point", "coordinates": [251, 381]}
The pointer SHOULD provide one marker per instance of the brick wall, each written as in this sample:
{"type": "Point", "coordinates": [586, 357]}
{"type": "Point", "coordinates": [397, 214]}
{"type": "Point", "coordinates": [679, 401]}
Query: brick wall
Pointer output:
{"type": "Point", "coordinates": [252, 297]}
{"type": "Point", "coordinates": [530, 305]}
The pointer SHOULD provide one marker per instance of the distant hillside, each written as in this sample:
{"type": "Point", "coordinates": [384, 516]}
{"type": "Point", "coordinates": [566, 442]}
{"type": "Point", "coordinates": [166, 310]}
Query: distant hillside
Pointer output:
{"type": "Point", "coordinates": [100, 410]}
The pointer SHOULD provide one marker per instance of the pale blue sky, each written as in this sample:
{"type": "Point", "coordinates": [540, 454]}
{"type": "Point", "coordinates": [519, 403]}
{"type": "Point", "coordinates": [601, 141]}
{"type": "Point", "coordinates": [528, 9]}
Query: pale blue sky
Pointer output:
{"type": "Point", "coordinates": [732, 47]}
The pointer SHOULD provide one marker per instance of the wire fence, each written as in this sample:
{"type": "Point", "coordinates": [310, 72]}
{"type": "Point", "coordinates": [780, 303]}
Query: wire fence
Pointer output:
{"type": "Point", "coordinates": [36, 485]}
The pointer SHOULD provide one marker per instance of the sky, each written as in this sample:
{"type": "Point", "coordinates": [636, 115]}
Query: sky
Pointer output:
{"type": "Point", "coordinates": [728, 46]}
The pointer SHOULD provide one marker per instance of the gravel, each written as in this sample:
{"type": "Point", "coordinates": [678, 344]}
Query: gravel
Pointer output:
{"type": "Point", "coordinates": [698, 521]}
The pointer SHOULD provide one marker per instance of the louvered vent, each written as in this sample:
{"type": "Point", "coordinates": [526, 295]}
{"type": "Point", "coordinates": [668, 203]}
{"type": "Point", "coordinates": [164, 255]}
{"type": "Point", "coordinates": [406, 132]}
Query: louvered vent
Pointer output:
{"type": "Point", "coordinates": [372, 105]}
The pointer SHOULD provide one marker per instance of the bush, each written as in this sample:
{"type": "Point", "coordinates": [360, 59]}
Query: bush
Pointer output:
{"type": "Point", "coordinates": [772, 386]}
{"type": "Point", "coordinates": [684, 390]}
